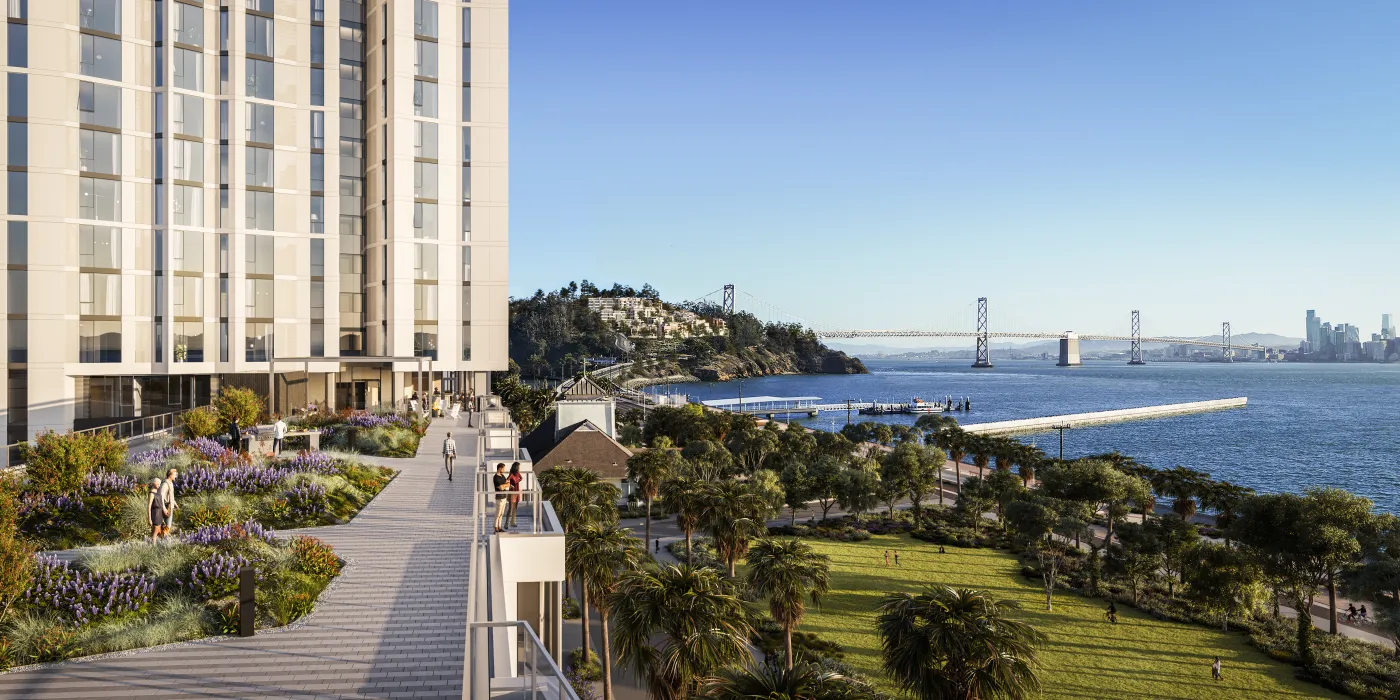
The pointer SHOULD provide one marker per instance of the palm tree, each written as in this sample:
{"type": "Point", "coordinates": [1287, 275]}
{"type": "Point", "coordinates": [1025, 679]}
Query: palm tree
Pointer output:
{"type": "Point", "coordinates": [802, 682]}
{"type": "Point", "coordinates": [676, 625]}
{"type": "Point", "coordinates": [580, 498]}
{"type": "Point", "coordinates": [1004, 449]}
{"type": "Point", "coordinates": [1225, 499]}
{"type": "Point", "coordinates": [957, 644]}
{"type": "Point", "coordinates": [785, 572]}
{"type": "Point", "coordinates": [955, 442]}
{"type": "Point", "coordinates": [1028, 459]}
{"type": "Point", "coordinates": [599, 556]}
{"type": "Point", "coordinates": [981, 448]}
{"type": "Point", "coordinates": [1183, 485]}
{"type": "Point", "coordinates": [687, 497]}
{"type": "Point", "coordinates": [734, 515]}
{"type": "Point", "coordinates": [648, 470]}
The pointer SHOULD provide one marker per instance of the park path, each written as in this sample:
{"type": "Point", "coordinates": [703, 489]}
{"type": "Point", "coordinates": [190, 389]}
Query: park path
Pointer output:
{"type": "Point", "coordinates": [393, 625]}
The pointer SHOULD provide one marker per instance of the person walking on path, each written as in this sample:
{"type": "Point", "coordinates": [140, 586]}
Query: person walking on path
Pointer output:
{"type": "Point", "coordinates": [896, 557]}
{"type": "Point", "coordinates": [279, 433]}
{"type": "Point", "coordinates": [449, 454]}
{"type": "Point", "coordinates": [155, 512]}
{"type": "Point", "coordinates": [887, 558]}
{"type": "Point", "coordinates": [499, 484]}
{"type": "Point", "coordinates": [514, 485]}
{"type": "Point", "coordinates": [1215, 669]}
{"type": "Point", "coordinates": [167, 502]}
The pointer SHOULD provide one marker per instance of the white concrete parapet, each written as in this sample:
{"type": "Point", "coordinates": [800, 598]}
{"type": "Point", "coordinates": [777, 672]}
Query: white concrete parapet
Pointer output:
{"type": "Point", "coordinates": [1079, 420]}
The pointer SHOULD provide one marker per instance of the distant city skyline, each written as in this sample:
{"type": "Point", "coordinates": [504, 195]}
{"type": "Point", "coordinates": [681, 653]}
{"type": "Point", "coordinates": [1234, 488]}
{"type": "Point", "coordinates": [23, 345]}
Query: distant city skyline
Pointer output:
{"type": "Point", "coordinates": [883, 166]}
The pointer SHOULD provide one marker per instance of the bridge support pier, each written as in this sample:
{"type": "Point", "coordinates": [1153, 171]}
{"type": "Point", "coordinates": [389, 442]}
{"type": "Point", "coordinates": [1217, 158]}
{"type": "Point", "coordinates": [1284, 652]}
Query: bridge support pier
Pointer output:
{"type": "Point", "coordinates": [1135, 353]}
{"type": "Point", "coordinates": [983, 345]}
{"type": "Point", "coordinates": [1069, 350]}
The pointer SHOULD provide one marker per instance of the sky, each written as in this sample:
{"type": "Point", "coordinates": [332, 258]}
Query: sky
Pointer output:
{"type": "Point", "coordinates": [881, 164]}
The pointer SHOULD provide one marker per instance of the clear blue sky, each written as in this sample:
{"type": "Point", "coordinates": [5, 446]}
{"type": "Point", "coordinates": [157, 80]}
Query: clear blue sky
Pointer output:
{"type": "Point", "coordinates": [880, 164]}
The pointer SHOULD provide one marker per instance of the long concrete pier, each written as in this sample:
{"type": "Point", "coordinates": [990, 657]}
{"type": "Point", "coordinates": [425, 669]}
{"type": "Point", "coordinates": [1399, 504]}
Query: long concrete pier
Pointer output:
{"type": "Point", "coordinates": [1079, 420]}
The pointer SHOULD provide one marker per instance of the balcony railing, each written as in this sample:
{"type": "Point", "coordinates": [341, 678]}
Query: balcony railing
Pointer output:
{"type": "Point", "coordinates": [535, 677]}
{"type": "Point", "coordinates": [125, 430]}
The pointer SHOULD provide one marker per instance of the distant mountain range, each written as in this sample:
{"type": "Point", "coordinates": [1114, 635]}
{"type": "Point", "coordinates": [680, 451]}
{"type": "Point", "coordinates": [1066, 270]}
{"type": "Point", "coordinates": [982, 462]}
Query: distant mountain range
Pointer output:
{"type": "Point", "coordinates": [1268, 340]}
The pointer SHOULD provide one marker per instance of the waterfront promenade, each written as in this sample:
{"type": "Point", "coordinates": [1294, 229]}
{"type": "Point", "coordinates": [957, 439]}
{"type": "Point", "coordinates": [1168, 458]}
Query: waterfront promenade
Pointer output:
{"type": "Point", "coordinates": [392, 625]}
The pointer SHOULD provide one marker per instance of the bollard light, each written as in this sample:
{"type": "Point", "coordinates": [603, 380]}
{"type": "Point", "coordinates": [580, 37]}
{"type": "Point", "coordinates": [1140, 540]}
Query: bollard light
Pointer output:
{"type": "Point", "coordinates": [247, 605]}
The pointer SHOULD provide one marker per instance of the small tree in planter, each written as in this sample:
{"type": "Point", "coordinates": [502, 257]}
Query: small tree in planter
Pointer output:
{"type": "Point", "coordinates": [201, 422]}
{"type": "Point", "coordinates": [237, 403]}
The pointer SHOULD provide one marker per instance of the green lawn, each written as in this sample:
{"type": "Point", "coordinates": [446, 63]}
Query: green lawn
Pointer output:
{"type": "Point", "coordinates": [1086, 657]}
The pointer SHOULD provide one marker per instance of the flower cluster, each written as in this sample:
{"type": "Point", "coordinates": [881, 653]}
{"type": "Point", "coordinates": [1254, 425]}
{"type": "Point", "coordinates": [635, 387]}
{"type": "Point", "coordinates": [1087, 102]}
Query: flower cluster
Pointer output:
{"type": "Point", "coordinates": [374, 420]}
{"type": "Point", "coordinates": [109, 484]}
{"type": "Point", "coordinates": [52, 507]}
{"type": "Point", "coordinates": [308, 500]}
{"type": "Point", "coordinates": [316, 463]}
{"type": "Point", "coordinates": [243, 479]}
{"type": "Point", "coordinates": [207, 448]}
{"type": "Point", "coordinates": [150, 458]}
{"type": "Point", "coordinates": [215, 577]}
{"type": "Point", "coordinates": [86, 596]}
{"type": "Point", "coordinates": [214, 534]}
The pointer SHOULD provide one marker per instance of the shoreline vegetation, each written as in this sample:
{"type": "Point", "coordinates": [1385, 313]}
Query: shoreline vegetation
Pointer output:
{"type": "Point", "coordinates": [1076, 535]}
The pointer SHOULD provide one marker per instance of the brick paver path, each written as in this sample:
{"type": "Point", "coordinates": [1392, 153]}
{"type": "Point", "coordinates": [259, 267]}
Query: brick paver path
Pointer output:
{"type": "Point", "coordinates": [393, 626]}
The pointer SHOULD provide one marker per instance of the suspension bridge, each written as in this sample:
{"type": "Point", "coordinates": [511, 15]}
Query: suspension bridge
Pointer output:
{"type": "Point", "coordinates": [983, 333]}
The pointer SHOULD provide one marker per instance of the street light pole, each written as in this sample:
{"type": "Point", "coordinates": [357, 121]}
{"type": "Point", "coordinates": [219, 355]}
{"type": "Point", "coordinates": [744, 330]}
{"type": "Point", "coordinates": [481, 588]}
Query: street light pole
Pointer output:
{"type": "Point", "coordinates": [1062, 429]}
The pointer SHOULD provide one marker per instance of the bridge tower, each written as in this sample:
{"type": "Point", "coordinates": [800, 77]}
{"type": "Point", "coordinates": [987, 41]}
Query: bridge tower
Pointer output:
{"type": "Point", "coordinates": [1135, 354]}
{"type": "Point", "coordinates": [1227, 342]}
{"type": "Point", "coordinates": [728, 300]}
{"type": "Point", "coordinates": [982, 346]}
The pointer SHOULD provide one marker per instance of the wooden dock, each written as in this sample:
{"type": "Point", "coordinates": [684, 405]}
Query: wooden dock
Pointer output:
{"type": "Point", "coordinates": [1080, 420]}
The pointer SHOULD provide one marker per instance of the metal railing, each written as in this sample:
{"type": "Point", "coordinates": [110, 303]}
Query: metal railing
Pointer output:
{"type": "Point", "coordinates": [124, 430]}
{"type": "Point", "coordinates": [535, 676]}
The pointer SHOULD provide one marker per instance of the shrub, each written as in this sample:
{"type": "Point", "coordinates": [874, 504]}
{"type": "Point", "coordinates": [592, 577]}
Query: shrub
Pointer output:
{"type": "Point", "coordinates": [201, 422]}
{"type": "Point", "coordinates": [6, 655]}
{"type": "Point", "coordinates": [288, 607]}
{"type": "Point", "coordinates": [315, 558]}
{"type": "Point", "coordinates": [56, 643]}
{"type": "Point", "coordinates": [571, 609]}
{"type": "Point", "coordinates": [227, 618]}
{"type": "Point", "coordinates": [205, 517]}
{"type": "Point", "coordinates": [16, 554]}
{"type": "Point", "coordinates": [307, 500]}
{"type": "Point", "coordinates": [588, 669]}
{"type": "Point", "coordinates": [277, 509]}
{"type": "Point", "coordinates": [215, 577]}
{"type": "Point", "coordinates": [57, 463]}
{"type": "Point", "coordinates": [237, 403]}
{"type": "Point", "coordinates": [108, 453]}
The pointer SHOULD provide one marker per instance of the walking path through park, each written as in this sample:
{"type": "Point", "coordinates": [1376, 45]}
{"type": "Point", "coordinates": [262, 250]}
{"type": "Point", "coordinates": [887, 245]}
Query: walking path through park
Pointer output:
{"type": "Point", "coordinates": [393, 625]}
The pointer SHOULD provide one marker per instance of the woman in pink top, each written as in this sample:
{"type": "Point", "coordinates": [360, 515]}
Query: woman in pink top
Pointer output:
{"type": "Point", "coordinates": [514, 485]}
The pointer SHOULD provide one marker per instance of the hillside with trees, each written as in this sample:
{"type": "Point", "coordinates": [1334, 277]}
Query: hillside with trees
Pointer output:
{"type": "Point", "coordinates": [553, 333]}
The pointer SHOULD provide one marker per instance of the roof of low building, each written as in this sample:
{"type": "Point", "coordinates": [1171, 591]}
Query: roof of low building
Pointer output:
{"type": "Point", "coordinates": [582, 444]}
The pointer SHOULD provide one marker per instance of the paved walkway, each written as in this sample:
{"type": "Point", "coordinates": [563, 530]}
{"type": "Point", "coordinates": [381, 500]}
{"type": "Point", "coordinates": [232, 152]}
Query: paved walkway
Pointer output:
{"type": "Point", "coordinates": [393, 625]}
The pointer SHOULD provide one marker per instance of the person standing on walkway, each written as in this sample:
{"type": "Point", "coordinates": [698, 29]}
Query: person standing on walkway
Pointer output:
{"type": "Point", "coordinates": [279, 433]}
{"type": "Point", "coordinates": [500, 484]}
{"type": "Point", "coordinates": [449, 454]}
{"type": "Point", "coordinates": [167, 502]}
{"type": "Point", "coordinates": [1215, 669]}
{"type": "Point", "coordinates": [513, 482]}
{"type": "Point", "coordinates": [155, 512]}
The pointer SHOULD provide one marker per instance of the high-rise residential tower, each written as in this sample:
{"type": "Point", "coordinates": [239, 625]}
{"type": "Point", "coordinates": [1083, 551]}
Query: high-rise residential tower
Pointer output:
{"type": "Point", "coordinates": [1314, 331]}
{"type": "Point", "coordinates": [1387, 329]}
{"type": "Point", "coordinates": [194, 188]}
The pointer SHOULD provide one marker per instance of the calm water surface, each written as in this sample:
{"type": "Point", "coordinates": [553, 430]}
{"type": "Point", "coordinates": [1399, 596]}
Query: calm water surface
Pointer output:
{"type": "Point", "coordinates": [1305, 425]}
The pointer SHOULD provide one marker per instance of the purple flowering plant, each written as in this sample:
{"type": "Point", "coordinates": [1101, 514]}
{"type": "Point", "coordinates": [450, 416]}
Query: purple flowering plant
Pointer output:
{"type": "Point", "coordinates": [215, 534]}
{"type": "Point", "coordinates": [307, 500]}
{"type": "Point", "coordinates": [215, 577]}
{"type": "Point", "coordinates": [85, 597]}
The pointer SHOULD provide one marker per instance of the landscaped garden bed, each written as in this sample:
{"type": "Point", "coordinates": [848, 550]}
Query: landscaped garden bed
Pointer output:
{"type": "Point", "coordinates": [380, 434]}
{"type": "Point", "coordinates": [216, 486]}
{"type": "Point", "coordinates": [139, 594]}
